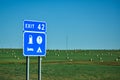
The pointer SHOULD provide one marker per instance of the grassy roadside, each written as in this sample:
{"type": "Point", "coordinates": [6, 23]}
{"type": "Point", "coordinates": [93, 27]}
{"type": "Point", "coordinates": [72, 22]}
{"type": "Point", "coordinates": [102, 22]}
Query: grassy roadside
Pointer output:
{"type": "Point", "coordinates": [62, 65]}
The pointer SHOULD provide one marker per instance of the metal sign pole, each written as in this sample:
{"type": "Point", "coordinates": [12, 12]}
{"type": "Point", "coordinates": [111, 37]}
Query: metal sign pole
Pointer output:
{"type": "Point", "coordinates": [39, 67]}
{"type": "Point", "coordinates": [27, 67]}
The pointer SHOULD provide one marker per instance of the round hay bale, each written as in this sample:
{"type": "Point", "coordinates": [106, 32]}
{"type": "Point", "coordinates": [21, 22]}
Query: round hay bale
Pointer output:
{"type": "Point", "coordinates": [91, 59]}
{"type": "Point", "coordinates": [67, 57]}
{"type": "Point", "coordinates": [116, 59]}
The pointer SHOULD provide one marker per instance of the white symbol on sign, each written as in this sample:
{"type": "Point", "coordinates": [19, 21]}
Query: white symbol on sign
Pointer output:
{"type": "Point", "coordinates": [39, 27]}
{"type": "Point", "coordinates": [29, 49]}
{"type": "Point", "coordinates": [30, 40]}
{"type": "Point", "coordinates": [39, 50]}
{"type": "Point", "coordinates": [43, 26]}
{"type": "Point", "coordinates": [39, 39]}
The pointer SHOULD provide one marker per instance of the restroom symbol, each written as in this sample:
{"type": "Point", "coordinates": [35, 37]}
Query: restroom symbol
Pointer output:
{"type": "Point", "coordinates": [30, 39]}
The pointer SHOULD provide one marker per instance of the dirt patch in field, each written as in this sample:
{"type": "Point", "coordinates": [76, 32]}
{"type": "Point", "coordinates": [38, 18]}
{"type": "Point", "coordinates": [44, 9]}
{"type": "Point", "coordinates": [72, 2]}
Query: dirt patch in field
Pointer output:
{"type": "Point", "coordinates": [109, 63]}
{"type": "Point", "coordinates": [67, 62]}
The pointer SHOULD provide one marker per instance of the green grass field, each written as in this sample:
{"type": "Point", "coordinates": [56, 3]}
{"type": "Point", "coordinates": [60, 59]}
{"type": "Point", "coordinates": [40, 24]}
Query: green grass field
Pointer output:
{"type": "Point", "coordinates": [62, 65]}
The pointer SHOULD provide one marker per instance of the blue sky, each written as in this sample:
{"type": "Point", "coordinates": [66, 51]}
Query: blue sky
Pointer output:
{"type": "Point", "coordinates": [83, 24]}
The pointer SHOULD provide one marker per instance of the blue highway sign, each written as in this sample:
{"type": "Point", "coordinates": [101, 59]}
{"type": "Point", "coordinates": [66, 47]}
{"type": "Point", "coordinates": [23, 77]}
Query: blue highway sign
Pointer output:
{"type": "Point", "coordinates": [34, 39]}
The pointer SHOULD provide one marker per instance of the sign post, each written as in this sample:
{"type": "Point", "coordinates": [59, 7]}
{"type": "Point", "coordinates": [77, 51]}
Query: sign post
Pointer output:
{"type": "Point", "coordinates": [27, 67]}
{"type": "Point", "coordinates": [39, 67]}
{"type": "Point", "coordinates": [34, 42]}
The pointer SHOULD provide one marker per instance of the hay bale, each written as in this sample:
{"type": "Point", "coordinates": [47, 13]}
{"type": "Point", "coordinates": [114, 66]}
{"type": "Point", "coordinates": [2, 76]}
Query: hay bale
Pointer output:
{"type": "Point", "coordinates": [97, 55]}
{"type": "Point", "coordinates": [67, 57]}
{"type": "Point", "coordinates": [15, 56]}
{"type": "Point", "coordinates": [116, 59]}
{"type": "Point", "coordinates": [18, 58]}
{"type": "Point", "coordinates": [91, 59]}
{"type": "Point", "coordinates": [100, 58]}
